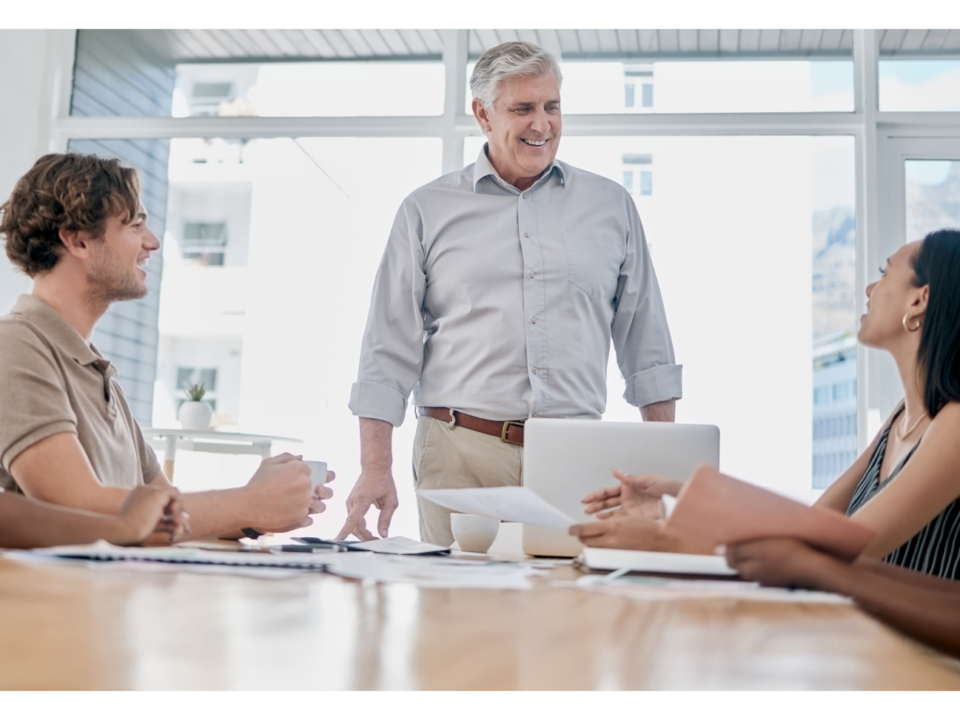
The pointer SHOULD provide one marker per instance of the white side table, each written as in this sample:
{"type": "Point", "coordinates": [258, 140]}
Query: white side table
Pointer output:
{"type": "Point", "coordinates": [210, 441]}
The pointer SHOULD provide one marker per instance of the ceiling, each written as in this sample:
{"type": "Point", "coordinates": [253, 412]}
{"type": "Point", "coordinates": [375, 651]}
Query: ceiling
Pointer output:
{"type": "Point", "coordinates": [246, 45]}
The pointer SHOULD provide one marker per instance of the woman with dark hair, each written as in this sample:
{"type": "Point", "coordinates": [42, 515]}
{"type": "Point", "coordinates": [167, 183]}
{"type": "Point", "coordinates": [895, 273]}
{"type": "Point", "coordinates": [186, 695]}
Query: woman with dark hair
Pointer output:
{"type": "Point", "coordinates": [924, 607]}
{"type": "Point", "coordinates": [906, 484]}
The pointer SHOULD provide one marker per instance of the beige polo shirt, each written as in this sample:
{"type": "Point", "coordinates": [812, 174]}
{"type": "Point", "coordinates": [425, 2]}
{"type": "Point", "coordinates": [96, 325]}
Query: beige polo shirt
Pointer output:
{"type": "Point", "coordinates": [52, 381]}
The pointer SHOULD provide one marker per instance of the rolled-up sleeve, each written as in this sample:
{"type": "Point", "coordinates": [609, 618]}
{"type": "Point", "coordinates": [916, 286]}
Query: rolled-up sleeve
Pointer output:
{"type": "Point", "coordinates": [641, 337]}
{"type": "Point", "coordinates": [391, 356]}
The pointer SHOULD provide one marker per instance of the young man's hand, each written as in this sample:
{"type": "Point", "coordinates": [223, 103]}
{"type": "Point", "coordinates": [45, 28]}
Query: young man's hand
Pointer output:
{"type": "Point", "coordinates": [279, 498]}
{"type": "Point", "coordinates": [148, 509]}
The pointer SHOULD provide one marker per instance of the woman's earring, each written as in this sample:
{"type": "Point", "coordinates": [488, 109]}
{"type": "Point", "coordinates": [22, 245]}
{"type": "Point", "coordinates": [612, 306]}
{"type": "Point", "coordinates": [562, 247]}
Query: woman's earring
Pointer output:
{"type": "Point", "coordinates": [906, 319]}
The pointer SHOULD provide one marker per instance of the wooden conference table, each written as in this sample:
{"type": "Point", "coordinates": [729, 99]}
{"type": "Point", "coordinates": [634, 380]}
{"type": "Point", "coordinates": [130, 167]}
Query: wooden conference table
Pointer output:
{"type": "Point", "coordinates": [110, 628]}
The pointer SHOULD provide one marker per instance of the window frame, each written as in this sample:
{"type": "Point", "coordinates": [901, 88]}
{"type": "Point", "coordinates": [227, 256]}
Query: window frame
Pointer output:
{"type": "Point", "coordinates": [877, 135]}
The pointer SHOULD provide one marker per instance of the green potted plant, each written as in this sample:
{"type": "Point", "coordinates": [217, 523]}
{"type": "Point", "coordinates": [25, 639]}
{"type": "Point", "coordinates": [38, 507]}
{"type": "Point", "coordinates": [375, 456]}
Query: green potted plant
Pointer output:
{"type": "Point", "coordinates": [195, 414]}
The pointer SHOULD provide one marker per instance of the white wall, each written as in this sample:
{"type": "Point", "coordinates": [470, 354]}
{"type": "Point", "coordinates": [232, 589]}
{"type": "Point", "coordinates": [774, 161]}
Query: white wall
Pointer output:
{"type": "Point", "coordinates": [32, 80]}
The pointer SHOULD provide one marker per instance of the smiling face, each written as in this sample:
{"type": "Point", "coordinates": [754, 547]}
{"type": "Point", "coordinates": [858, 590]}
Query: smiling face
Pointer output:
{"type": "Point", "coordinates": [890, 299]}
{"type": "Point", "coordinates": [522, 128]}
{"type": "Point", "coordinates": [117, 260]}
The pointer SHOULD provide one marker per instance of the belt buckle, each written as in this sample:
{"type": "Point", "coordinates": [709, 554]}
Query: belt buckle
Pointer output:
{"type": "Point", "coordinates": [506, 427]}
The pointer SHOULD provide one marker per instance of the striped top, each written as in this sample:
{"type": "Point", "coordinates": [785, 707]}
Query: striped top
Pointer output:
{"type": "Point", "coordinates": [936, 548]}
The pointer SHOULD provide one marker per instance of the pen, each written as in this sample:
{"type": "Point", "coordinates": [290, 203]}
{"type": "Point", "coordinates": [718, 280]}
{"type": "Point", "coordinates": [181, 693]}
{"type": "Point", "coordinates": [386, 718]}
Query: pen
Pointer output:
{"type": "Point", "coordinates": [296, 548]}
{"type": "Point", "coordinates": [615, 574]}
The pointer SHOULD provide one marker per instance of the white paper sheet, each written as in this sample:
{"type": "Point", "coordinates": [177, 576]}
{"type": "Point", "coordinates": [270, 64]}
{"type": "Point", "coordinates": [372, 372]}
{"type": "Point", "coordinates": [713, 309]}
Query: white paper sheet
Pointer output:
{"type": "Point", "coordinates": [513, 504]}
{"type": "Point", "coordinates": [399, 545]}
{"type": "Point", "coordinates": [654, 562]}
{"type": "Point", "coordinates": [432, 571]}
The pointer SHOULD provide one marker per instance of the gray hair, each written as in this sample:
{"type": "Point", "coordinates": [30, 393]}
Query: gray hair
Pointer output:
{"type": "Point", "coordinates": [510, 60]}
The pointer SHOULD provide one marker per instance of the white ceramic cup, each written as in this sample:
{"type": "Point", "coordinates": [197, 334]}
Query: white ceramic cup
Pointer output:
{"type": "Point", "coordinates": [318, 473]}
{"type": "Point", "coordinates": [474, 533]}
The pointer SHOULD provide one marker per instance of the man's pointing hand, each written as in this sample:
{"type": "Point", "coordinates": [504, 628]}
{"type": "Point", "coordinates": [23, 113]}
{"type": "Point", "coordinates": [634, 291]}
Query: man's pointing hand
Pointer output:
{"type": "Point", "coordinates": [372, 488]}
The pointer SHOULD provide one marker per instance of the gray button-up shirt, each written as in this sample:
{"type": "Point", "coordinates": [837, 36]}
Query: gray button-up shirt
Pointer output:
{"type": "Point", "coordinates": [502, 304]}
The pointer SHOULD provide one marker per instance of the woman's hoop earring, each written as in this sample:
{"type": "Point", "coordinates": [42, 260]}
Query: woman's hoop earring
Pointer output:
{"type": "Point", "coordinates": [906, 319]}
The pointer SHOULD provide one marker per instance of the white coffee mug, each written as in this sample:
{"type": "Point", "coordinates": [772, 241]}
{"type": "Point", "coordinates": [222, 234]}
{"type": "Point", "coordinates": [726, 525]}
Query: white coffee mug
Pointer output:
{"type": "Point", "coordinates": [318, 473]}
{"type": "Point", "coordinates": [474, 533]}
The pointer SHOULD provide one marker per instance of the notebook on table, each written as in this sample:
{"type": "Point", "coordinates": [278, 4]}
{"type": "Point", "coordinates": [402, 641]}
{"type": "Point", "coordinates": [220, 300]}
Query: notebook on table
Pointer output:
{"type": "Point", "coordinates": [103, 551]}
{"type": "Point", "coordinates": [679, 565]}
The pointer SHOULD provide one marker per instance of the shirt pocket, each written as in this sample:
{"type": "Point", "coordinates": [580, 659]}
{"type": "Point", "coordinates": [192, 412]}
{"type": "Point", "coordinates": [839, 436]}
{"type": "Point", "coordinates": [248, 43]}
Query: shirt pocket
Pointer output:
{"type": "Point", "coordinates": [593, 262]}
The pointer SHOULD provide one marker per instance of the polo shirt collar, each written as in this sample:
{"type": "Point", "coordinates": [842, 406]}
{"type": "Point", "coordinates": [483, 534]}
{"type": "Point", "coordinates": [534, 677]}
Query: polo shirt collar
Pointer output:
{"type": "Point", "coordinates": [62, 333]}
{"type": "Point", "coordinates": [483, 168]}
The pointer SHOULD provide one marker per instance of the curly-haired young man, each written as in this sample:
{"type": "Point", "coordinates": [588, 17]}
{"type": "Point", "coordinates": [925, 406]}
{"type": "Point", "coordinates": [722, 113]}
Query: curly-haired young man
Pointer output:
{"type": "Point", "coordinates": [74, 224]}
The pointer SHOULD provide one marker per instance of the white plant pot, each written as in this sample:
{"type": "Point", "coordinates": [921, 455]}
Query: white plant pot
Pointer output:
{"type": "Point", "coordinates": [195, 415]}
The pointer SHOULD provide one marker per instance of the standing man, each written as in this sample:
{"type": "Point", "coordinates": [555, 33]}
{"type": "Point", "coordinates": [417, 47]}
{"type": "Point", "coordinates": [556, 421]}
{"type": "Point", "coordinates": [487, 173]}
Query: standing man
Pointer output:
{"type": "Point", "coordinates": [500, 290]}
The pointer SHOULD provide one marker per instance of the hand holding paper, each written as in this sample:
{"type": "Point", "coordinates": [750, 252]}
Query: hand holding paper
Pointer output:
{"type": "Point", "coordinates": [720, 510]}
{"type": "Point", "coordinates": [512, 504]}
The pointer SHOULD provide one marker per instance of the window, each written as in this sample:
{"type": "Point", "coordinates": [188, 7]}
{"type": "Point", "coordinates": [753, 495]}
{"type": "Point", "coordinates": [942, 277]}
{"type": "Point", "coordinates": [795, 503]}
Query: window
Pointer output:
{"type": "Point", "coordinates": [646, 182]}
{"type": "Point", "coordinates": [189, 376]}
{"type": "Point", "coordinates": [919, 85]}
{"type": "Point", "coordinates": [186, 377]}
{"type": "Point", "coordinates": [933, 196]}
{"type": "Point", "coordinates": [207, 97]}
{"type": "Point", "coordinates": [639, 76]}
{"type": "Point", "coordinates": [647, 100]}
{"type": "Point", "coordinates": [204, 242]}
{"type": "Point", "coordinates": [288, 89]}
{"type": "Point", "coordinates": [792, 191]}
{"type": "Point", "coordinates": [640, 180]}
{"type": "Point", "coordinates": [724, 86]}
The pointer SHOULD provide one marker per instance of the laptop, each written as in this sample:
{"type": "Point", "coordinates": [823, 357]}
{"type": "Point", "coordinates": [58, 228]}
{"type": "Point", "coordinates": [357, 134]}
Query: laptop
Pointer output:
{"type": "Point", "coordinates": [564, 460]}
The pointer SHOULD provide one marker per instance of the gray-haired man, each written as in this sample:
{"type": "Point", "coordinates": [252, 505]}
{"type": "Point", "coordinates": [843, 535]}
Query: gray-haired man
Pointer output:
{"type": "Point", "coordinates": [500, 290]}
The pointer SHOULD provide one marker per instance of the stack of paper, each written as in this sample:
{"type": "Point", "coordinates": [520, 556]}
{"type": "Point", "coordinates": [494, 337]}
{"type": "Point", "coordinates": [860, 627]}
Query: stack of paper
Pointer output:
{"type": "Point", "coordinates": [658, 563]}
{"type": "Point", "coordinates": [510, 504]}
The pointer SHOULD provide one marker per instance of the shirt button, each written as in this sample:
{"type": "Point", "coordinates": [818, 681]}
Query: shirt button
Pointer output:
{"type": "Point", "coordinates": [532, 274]}
{"type": "Point", "coordinates": [534, 371]}
{"type": "Point", "coordinates": [524, 196]}
{"type": "Point", "coordinates": [534, 321]}
{"type": "Point", "coordinates": [526, 234]}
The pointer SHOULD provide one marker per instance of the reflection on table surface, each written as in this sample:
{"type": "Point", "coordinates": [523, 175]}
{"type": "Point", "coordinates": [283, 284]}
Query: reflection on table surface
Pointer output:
{"type": "Point", "coordinates": [109, 627]}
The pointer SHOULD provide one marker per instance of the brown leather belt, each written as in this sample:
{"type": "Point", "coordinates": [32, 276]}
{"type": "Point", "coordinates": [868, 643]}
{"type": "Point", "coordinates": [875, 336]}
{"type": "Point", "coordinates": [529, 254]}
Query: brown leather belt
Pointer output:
{"type": "Point", "coordinates": [510, 431]}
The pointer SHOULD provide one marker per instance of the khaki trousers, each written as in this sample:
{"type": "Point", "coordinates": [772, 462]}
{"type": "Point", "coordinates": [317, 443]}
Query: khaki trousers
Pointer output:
{"type": "Point", "coordinates": [446, 456]}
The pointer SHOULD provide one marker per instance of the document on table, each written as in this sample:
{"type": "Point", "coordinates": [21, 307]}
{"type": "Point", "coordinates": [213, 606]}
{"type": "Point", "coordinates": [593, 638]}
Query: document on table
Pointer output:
{"type": "Point", "coordinates": [512, 504]}
{"type": "Point", "coordinates": [104, 551]}
{"type": "Point", "coordinates": [654, 562]}
{"type": "Point", "coordinates": [399, 545]}
{"type": "Point", "coordinates": [432, 571]}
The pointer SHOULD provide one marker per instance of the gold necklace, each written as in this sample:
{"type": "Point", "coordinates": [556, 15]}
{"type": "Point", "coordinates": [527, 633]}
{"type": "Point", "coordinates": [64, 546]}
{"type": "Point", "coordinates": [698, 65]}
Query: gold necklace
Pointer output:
{"type": "Point", "coordinates": [902, 435]}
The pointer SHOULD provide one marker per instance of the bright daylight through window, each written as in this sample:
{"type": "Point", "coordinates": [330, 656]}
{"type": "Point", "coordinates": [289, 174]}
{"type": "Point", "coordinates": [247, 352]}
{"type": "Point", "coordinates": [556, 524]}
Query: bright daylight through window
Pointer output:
{"type": "Point", "coordinates": [730, 220]}
{"type": "Point", "coordinates": [743, 169]}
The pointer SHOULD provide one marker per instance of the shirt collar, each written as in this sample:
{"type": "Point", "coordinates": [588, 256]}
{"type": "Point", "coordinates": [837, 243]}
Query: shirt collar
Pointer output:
{"type": "Point", "coordinates": [62, 333]}
{"type": "Point", "coordinates": [483, 168]}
